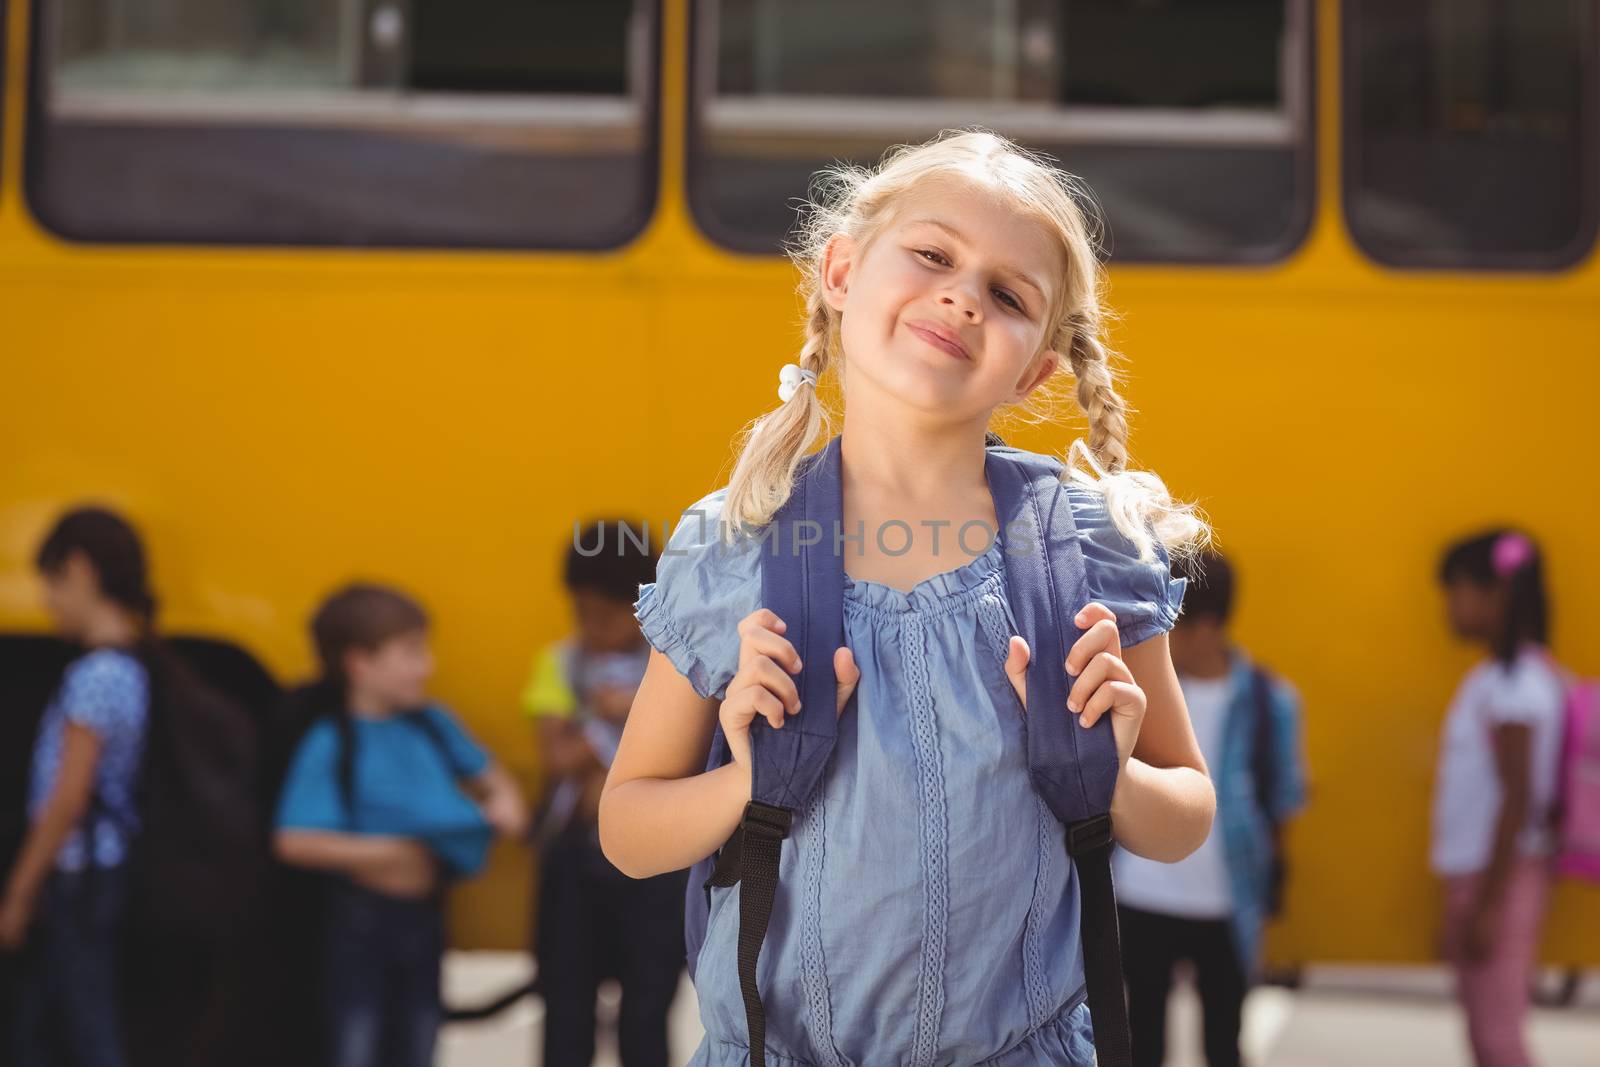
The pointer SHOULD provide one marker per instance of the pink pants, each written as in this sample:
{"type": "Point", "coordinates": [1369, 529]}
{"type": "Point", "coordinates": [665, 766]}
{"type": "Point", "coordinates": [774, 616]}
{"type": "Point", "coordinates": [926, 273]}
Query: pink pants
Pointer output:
{"type": "Point", "coordinates": [1494, 990]}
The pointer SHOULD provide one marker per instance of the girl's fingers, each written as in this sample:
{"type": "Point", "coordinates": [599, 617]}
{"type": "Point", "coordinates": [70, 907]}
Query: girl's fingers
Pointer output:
{"type": "Point", "coordinates": [1101, 637]}
{"type": "Point", "coordinates": [769, 707]}
{"type": "Point", "coordinates": [846, 674]}
{"type": "Point", "coordinates": [1017, 655]}
{"type": "Point", "coordinates": [764, 619]}
{"type": "Point", "coordinates": [748, 704]}
{"type": "Point", "coordinates": [1104, 667]}
{"type": "Point", "coordinates": [1093, 612]}
{"type": "Point", "coordinates": [761, 673]}
{"type": "Point", "coordinates": [757, 638]}
{"type": "Point", "coordinates": [1118, 696]}
{"type": "Point", "coordinates": [768, 675]}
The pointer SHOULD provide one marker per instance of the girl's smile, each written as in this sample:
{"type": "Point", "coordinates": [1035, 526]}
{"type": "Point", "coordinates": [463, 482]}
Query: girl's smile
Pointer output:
{"type": "Point", "coordinates": [940, 337]}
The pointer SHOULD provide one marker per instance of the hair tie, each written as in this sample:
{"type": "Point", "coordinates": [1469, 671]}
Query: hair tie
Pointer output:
{"type": "Point", "coordinates": [790, 377]}
{"type": "Point", "coordinates": [1512, 551]}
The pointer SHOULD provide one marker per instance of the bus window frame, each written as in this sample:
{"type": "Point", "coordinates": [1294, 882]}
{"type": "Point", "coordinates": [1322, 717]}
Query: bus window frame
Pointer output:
{"type": "Point", "coordinates": [5, 69]}
{"type": "Point", "coordinates": [1567, 258]}
{"type": "Point", "coordinates": [35, 120]}
{"type": "Point", "coordinates": [1299, 85]}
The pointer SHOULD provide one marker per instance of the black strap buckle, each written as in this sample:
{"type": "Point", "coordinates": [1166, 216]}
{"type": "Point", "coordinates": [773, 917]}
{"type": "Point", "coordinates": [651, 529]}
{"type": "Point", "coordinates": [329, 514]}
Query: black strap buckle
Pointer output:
{"type": "Point", "coordinates": [760, 821]}
{"type": "Point", "coordinates": [1089, 835]}
{"type": "Point", "coordinates": [766, 820]}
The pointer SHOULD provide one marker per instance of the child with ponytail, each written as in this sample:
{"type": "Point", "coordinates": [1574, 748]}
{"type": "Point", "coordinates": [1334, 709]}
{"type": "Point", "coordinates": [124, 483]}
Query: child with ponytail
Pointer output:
{"type": "Point", "coordinates": [69, 884]}
{"type": "Point", "coordinates": [1496, 789]}
{"type": "Point", "coordinates": [926, 911]}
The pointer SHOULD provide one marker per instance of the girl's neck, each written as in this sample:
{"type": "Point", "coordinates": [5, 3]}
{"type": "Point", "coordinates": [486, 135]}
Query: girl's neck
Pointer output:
{"type": "Point", "coordinates": [110, 627]}
{"type": "Point", "coordinates": [912, 462]}
{"type": "Point", "coordinates": [1522, 646]}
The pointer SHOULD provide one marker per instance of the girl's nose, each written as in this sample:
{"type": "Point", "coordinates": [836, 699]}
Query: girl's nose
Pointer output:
{"type": "Point", "coordinates": [963, 301]}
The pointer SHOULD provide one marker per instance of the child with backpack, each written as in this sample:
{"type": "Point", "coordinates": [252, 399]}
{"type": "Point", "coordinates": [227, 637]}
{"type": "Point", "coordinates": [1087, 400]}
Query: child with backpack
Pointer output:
{"type": "Point", "coordinates": [66, 895]}
{"type": "Point", "coordinates": [1496, 790]}
{"type": "Point", "coordinates": [594, 921]}
{"type": "Point", "coordinates": [1211, 908]}
{"type": "Point", "coordinates": [390, 796]}
{"type": "Point", "coordinates": [902, 828]}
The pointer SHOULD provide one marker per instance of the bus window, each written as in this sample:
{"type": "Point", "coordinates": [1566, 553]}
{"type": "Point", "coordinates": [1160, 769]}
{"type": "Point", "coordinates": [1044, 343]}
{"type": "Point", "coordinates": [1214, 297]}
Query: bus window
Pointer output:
{"type": "Point", "coordinates": [1189, 121]}
{"type": "Point", "coordinates": [426, 123]}
{"type": "Point", "coordinates": [1469, 141]}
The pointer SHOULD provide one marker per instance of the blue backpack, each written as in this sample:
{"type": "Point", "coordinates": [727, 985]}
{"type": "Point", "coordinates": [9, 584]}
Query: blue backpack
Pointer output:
{"type": "Point", "coordinates": [1073, 769]}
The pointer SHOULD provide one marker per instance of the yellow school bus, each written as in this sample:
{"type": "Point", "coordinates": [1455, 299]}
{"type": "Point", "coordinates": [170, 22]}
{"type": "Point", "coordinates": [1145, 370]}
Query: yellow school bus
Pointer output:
{"type": "Point", "coordinates": [401, 289]}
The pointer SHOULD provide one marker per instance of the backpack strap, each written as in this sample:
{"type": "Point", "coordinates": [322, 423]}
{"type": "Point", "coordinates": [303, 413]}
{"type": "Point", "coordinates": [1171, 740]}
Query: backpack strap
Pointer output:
{"type": "Point", "coordinates": [1262, 763]}
{"type": "Point", "coordinates": [802, 582]}
{"type": "Point", "coordinates": [1073, 769]}
{"type": "Point", "coordinates": [1264, 772]}
{"type": "Point", "coordinates": [420, 720]}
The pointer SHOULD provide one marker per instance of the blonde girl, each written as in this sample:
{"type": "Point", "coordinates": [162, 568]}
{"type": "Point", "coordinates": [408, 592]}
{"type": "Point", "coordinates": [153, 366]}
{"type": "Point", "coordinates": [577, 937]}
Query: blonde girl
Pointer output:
{"type": "Point", "coordinates": [926, 910]}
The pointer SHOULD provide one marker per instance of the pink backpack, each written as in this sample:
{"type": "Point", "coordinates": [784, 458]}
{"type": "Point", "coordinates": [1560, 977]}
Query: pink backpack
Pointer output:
{"type": "Point", "coordinates": [1578, 852]}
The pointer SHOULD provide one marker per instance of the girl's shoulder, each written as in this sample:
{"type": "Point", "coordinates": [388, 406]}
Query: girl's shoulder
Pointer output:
{"type": "Point", "coordinates": [707, 579]}
{"type": "Point", "coordinates": [1143, 593]}
{"type": "Point", "coordinates": [110, 665]}
{"type": "Point", "coordinates": [1529, 689]}
{"type": "Point", "coordinates": [105, 685]}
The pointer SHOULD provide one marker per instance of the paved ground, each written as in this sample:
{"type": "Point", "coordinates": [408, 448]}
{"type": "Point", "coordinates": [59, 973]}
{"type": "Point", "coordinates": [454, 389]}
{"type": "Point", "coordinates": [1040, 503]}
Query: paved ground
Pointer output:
{"type": "Point", "coordinates": [1375, 1017]}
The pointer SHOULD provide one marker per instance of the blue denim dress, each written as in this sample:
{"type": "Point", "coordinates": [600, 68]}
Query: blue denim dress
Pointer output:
{"type": "Point", "coordinates": [926, 911]}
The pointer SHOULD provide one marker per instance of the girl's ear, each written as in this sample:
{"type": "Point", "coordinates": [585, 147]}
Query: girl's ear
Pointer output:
{"type": "Point", "coordinates": [838, 259]}
{"type": "Point", "coordinates": [1046, 365]}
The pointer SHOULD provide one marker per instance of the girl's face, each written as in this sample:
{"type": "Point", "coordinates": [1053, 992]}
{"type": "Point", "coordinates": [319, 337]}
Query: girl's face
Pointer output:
{"type": "Point", "coordinates": [1475, 610]}
{"type": "Point", "coordinates": [946, 306]}
{"type": "Point", "coordinates": [395, 673]}
{"type": "Point", "coordinates": [70, 594]}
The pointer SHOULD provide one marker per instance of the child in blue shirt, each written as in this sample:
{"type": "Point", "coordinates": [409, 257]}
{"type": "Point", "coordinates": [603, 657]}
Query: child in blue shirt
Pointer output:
{"type": "Point", "coordinates": [388, 793]}
{"type": "Point", "coordinates": [66, 894]}
{"type": "Point", "coordinates": [594, 920]}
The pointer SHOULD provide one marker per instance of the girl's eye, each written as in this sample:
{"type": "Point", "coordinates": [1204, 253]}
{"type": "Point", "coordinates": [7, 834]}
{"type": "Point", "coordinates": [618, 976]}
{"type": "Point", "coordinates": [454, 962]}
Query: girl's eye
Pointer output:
{"type": "Point", "coordinates": [1009, 300]}
{"type": "Point", "coordinates": [1004, 296]}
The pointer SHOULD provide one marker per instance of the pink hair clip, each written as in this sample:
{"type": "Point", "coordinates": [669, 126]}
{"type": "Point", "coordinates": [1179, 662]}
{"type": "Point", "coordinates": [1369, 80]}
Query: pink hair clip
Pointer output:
{"type": "Point", "coordinates": [1512, 551]}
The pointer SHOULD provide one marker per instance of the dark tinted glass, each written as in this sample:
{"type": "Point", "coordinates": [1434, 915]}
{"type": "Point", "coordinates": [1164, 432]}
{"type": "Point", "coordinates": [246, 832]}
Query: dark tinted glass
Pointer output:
{"type": "Point", "coordinates": [1470, 132]}
{"type": "Point", "coordinates": [384, 122]}
{"type": "Point", "coordinates": [1187, 119]}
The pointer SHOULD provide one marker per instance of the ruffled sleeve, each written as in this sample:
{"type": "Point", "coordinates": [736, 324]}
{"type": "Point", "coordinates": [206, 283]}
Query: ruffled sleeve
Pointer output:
{"type": "Point", "coordinates": [1143, 594]}
{"type": "Point", "coordinates": [107, 691]}
{"type": "Point", "coordinates": [705, 584]}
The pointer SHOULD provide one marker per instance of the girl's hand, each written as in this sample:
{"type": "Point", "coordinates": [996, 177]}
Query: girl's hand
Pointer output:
{"type": "Point", "coordinates": [1104, 682]}
{"type": "Point", "coordinates": [764, 683]}
{"type": "Point", "coordinates": [16, 915]}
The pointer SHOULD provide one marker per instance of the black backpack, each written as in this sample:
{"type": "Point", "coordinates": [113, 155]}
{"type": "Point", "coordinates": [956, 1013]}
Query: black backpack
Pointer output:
{"type": "Point", "coordinates": [195, 866]}
{"type": "Point", "coordinates": [194, 939]}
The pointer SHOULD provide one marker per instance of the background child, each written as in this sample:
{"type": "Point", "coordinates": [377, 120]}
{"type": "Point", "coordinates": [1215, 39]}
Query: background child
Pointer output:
{"type": "Point", "coordinates": [594, 921]}
{"type": "Point", "coordinates": [927, 910]}
{"type": "Point", "coordinates": [375, 795]}
{"type": "Point", "coordinates": [1496, 787]}
{"type": "Point", "coordinates": [1210, 908]}
{"type": "Point", "coordinates": [69, 880]}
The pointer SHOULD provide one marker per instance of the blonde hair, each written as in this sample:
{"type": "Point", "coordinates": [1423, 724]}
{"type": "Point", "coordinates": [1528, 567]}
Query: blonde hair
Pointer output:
{"type": "Point", "coordinates": [859, 202]}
